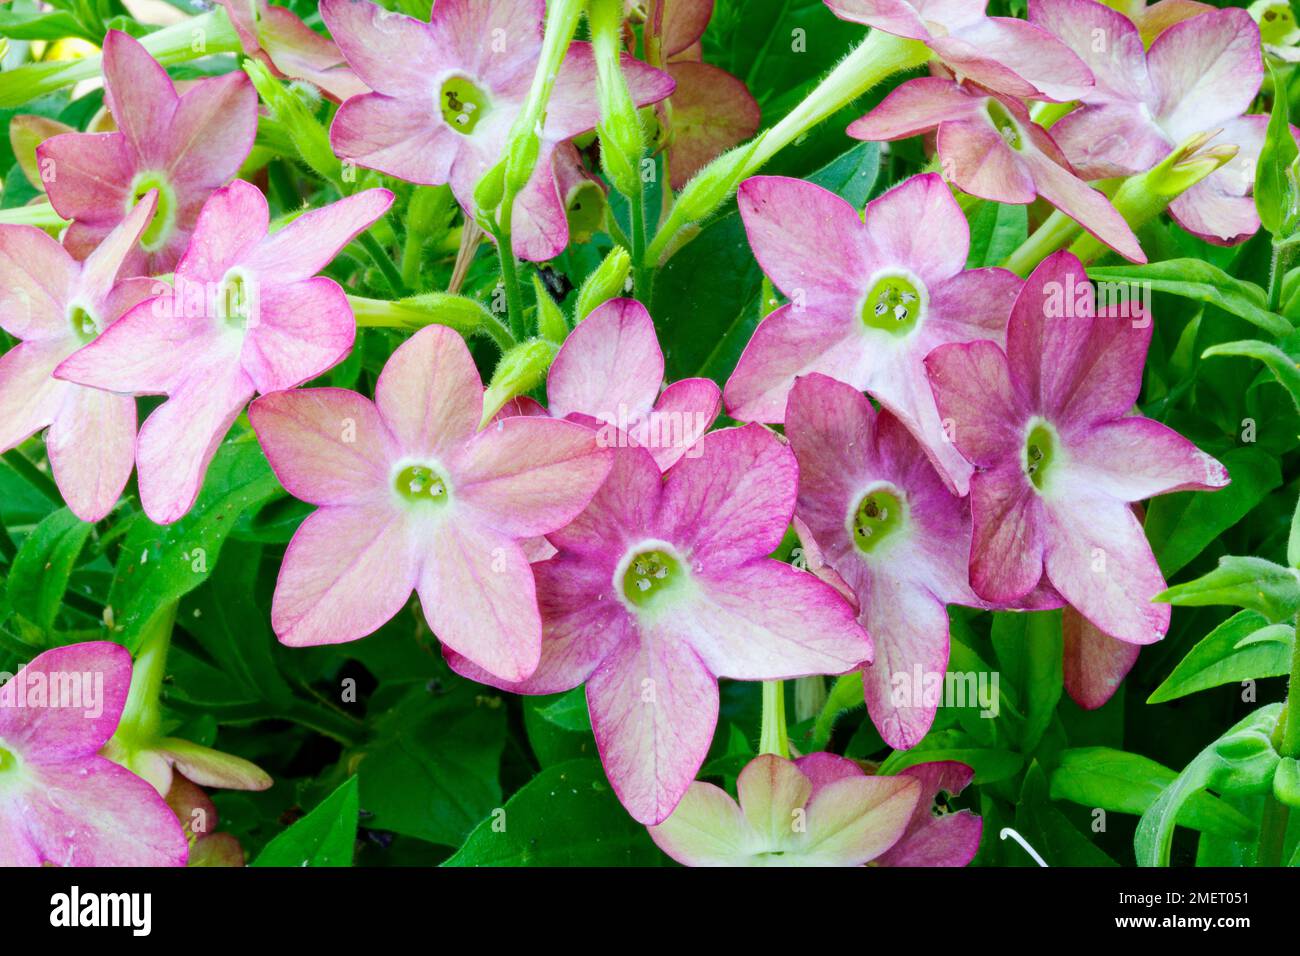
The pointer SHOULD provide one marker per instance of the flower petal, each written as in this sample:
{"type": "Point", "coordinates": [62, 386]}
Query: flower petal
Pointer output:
{"type": "Point", "coordinates": [951, 839]}
{"type": "Point", "coordinates": [706, 829]}
{"type": "Point", "coordinates": [980, 404]}
{"type": "Point", "coordinates": [680, 419]}
{"type": "Point", "coordinates": [91, 445]}
{"type": "Point", "coordinates": [1205, 71]}
{"type": "Point", "coordinates": [1087, 206]}
{"type": "Point", "coordinates": [37, 277]}
{"type": "Point", "coordinates": [401, 137]}
{"type": "Point", "coordinates": [140, 95]}
{"type": "Point", "coordinates": [621, 512]}
{"type": "Point", "coordinates": [852, 821]}
{"type": "Point", "coordinates": [82, 690]}
{"type": "Point", "coordinates": [1132, 459]}
{"type": "Point", "coordinates": [367, 34]}
{"type": "Point", "coordinates": [1105, 39]}
{"type": "Point", "coordinates": [1016, 58]}
{"type": "Point", "coordinates": [430, 394]}
{"type": "Point", "coordinates": [1221, 207]}
{"type": "Point", "coordinates": [233, 221]}
{"type": "Point", "coordinates": [29, 396]}
{"type": "Point", "coordinates": [541, 224]}
{"type": "Point", "coordinates": [1094, 663]}
{"type": "Point", "coordinates": [573, 109]}
{"type": "Point", "coordinates": [308, 244]}
{"type": "Point", "coordinates": [212, 131]}
{"type": "Point", "coordinates": [92, 172]}
{"type": "Point", "coordinates": [916, 106]}
{"type": "Point", "coordinates": [977, 158]}
{"type": "Point", "coordinates": [902, 223]}
{"type": "Point", "coordinates": [1008, 537]}
{"type": "Point", "coordinates": [610, 367]}
{"type": "Point", "coordinates": [891, 16]}
{"type": "Point", "coordinates": [302, 329]}
{"type": "Point", "coordinates": [772, 790]}
{"type": "Point", "coordinates": [712, 112]}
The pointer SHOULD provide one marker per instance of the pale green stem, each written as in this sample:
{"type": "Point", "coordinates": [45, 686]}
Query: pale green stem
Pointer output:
{"type": "Point", "coordinates": [40, 214]}
{"type": "Point", "coordinates": [773, 738]}
{"type": "Point", "coordinates": [142, 715]}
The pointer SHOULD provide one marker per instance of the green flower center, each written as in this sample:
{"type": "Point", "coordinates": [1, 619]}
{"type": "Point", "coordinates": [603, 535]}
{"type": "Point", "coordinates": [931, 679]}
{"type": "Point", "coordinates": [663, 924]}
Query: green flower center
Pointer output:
{"type": "Point", "coordinates": [421, 484]}
{"type": "Point", "coordinates": [164, 215]}
{"type": "Point", "coordinates": [82, 323]}
{"type": "Point", "coordinates": [463, 104]}
{"type": "Point", "coordinates": [878, 517]}
{"type": "Point", "coordinates": [893, 305]}
{"type": "Point", "coordinates": [1040, 451]}
{"type": "Point", "coordinates": [585, 210]}
{"type": "Point", "coordinates": [1004, 123]}
{"type": "Point", "coordinates": [648, 575]}
{"type": "Point", "coordinates": [7, 761]}
{"type": "Point", "coordinates": [235, 300]}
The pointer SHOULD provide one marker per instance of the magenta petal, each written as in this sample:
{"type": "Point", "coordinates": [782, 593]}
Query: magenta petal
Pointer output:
{"type": "Point", "coordinates": [680, 419]}
{"type": "Point", "coordinates": [139, 94]}
{"type": "Point", "coordinates": [302, 329]}
{"type": "Point", "coordinates": [405, 138]}
{"type": "Point", "coordinates": [91, 444]}
{"type": "Point", "coordinates": [1008, 541]}
{"type": "Point", "coordinates": [610, 367]}
{"type": "Point", "coordinates": [1094, 663]}
{"type": "Point", "coordinates": [346, 572]}
{"type": "Point", "coordinates": [654, 706]}
{"type": "Point", "coordinates": [979, 161]}
{"type": "Point", "coordinates": [1132, 459]}
{"type": "Point", "coordinates": [72, 728]}
{"type": "Point", "coordinates": [16, 848]}
{"type": "Point", "coordinates": [825, 768]}
{"type": "Point", "coordinates": [902, 223]}
{"type": "Point", "coordinates": [328, 446]}
{"type": "Point", "coordinates": [916, 106]}
{"type": "Point", "coordinates": [830, 426]}
{"type": "Point", "coordinates": [620, 512]}
{"type": "Point", "coordinates": [951, 839]}
{"type": "Point", "coordinates": [212, 131]}
{"type": "Point", "coordinates": [980, 405]}
{"type": "Point", "coordinates": [94, 171]}
{"type": "Point", "coordinates": [101, 268]}
{"type": "Point", "coordinates": [430, 394]}
{"type": "Point", "coordinates": [231, 224]}
{"type": "Point", "coordinates": [541, 224]}
{"type": "Point", "coordinates": [1085, 205]}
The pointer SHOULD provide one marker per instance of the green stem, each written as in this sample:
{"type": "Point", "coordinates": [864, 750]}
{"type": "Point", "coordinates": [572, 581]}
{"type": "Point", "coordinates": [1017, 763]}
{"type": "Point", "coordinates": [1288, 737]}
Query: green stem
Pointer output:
{"type": "Point", "coordinates": [464, 315]}
{"type": "Point", "coordinates": [412, 252]}
{"type": "Point", "coordinates": [510, 280]}
{"type": "Point", "coordinates": [142, 716]}
{"type": "Point", "coordinates": [1286, 739]}
{"type": "Point", "coordinates": [640, 270]}
{"type": "Point", "coordinates": [1057, 231]}
{"type": "Point", "coordinates": [1278, 265]}
{"type": "Point", "coordinates": [384, 262]}
{"type": "Point", "coordinates": [33, 475]}
{"type": "Point", "coordinates": [773, 738]}
{"type": "Point", "coordinates": [40, 214]}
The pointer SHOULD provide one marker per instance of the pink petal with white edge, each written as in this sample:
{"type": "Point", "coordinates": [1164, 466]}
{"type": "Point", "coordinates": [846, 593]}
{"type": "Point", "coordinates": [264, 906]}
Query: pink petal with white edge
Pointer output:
{"type": "Point", "coordinates": [478, 595]}
{"type": "Point", "coordinates": [140, 95]}
{"type": "Point", "coordinates": [1008, 540]}
{"type": "Point", "coordinates": [1097, 556]}
{"type": "Point", "coordinates": [707, 829]}
{"type": "Point", "coordinates": [529, 476]}
{"type": "Point", "coordinates": [765, 620]}
{"type": "Point", "coordinates": [771, 789]}
{"type": "Point", "coordinates": [308, 244]}
{"type": "Point", "coordinates": [654, 707]}
{"type": "Point", "coordinates": [95, 813]}
{"type": "Point", "coordinates": [91, 444]}
{"type": "Point", "coordinates": [683, 415]}
{"type": "Point", "coordinates": [367, 35]}
{"type": "Point", "coordinates": [29, 396]}
{"type": "Point", "coordinates": [346, 572]}
{"type": "Point", "coordinates": [1094, 663]}
{"type": "Point", "coordinates": [573, 110]}
{"type": "Point", "coordinates": [810, 242]}
{"type": "Point", "coordinates": [327, 446]}
{"type": "Point", "coordinates": [1132, 459]}
{"type": "Point", "coordinates": [852, 821]}
{"type": "Point", "coordinates": [734, 501]}
{"type": "Point", "coordinates": [76, 728]}
{"type": "Point", "coordinates": [916, 106]}
{"type": "Point", "coordinates": [951, 839]}
{"type": "Point", "coordinates": [212, 131]}
{"type": "Point", "coordinates": [610, 363]}
{"type": "Point", "coordinates": [37, 277]}
{"type": "Point", "coordinates": [1205, 71]}
{"type": "Point", "coordinates": [429, 393]}
{"type": "Point", "coordinates": [902, 223]}
{"type": "Point", "coordinates": [406, 138]}
{"type": "Point", "coordinates": [302, 329]}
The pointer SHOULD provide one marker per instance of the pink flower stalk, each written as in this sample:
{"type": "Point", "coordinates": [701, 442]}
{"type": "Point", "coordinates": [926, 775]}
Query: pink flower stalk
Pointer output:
{"type": "Point", "coordinates": [990, 148]}
{"type": "Point", "coordinates": [882, 522]}
{"type": "Point", "coordinates": [1199, 76]}
{"type": "Point", "coordinates": [1001, 53]}
{"type": "Point", "coordinates": [54, 305]}
{"type": "Point", "coordinates": [60, 802]}
{"type": "Point", "coordinates": [663, 585]}
{"type": "Point", "coordinates": [821, 810]}
{"type": "Point", "coordinates": [412, 495]}
{"type": "Point", "coordinates": [1059, 457]}
{"type": "Point", "coordinates": [608, 375]}
{"type": "Point", "coordinates": [182, 146]}
{"type": "Point", "coordinates": [245, 315]}
{"type": "Point", "coordinates": [868, 300]}
{"type": "Point", "coordinates": [279, 38]}
{"type": "Point", "coordinates": [442, 111]}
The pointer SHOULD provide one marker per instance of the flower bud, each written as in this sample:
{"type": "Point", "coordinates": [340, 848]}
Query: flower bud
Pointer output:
{"type": "Point", "coordinates": [607, 282]}
{"type": "Point", "coordinates": [309, 137]}
{"type": "Point", "coordinates": [490, 189]}
{"type": "Point", "coordinates": [458, 312]}
{"type": "Point", "coordinates": [521, 368]}
{"type": "Point", "coordinates": [1286, 782]}
{"type": "Point", "coordinates": [551, 323]}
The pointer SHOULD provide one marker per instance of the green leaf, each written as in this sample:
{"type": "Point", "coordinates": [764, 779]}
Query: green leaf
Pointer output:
{"type": "Point", "coordinates": [1029, 648]}
{"type": "Point", "coordinates": [41, 569]}
{"type": "Point", "coordinates": [1199, 281]}
{"type": "Point", "coordinates": [1244, 647]}
{"type": "Point", "coordinates": [1180, 526]}
{"type": "Point", "coordinates": [565, 816]}
{"type": "Point", "coordinates": [1049, 831]}
{"type": "Point", "coordinates": [1286, 782]}
{"type": "Point", "coordinates": [570, 711]}
{"type": "Point", "coordinates": [161, 563]}
{"type": "Point", "coordinates": [42, 26]}
{"type": "Point", "coordinates": [1283, 366]}
{"type": "Point", "coordinates": [990, 764]}
{"type": "Point", "coordinates": [1155, 831]}
{"type": "Point", "coordinates": [325, 837]}
{"type": "Point", "coordinates": [1245, 582]}
{"type": "Point", "coordinates": [1275, 186]}
{"type": "Point", "coordinates": [996, 231]}
{"type": "Point", "coordinates": [1129, 783]}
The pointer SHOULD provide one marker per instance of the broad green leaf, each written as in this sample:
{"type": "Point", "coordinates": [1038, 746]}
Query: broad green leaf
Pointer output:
{"type": "Point", "coordinates": [325, 837]}
{"type": "Point", "coordinates": [1029, 648]}
{"type": "Point", "coordinates": [570, 711]}
{"type": "Point", "coordinates": [996, 231]}
{"type": "Point", "coordinates": [1275, 184]}
{"type": "Point", "coordinates": [161, 563]}
{"type": "Point", "coordinates": [565, 816]}
{"type": "Point", "coordinates": [1180, 526]}
{"type": "Point", "coordinates": [42, 26]}
{"type": "Point", "coordinates": [1123, 782]}
{"type": "Point", "coordinates": [41, 569]}
{"type": "Point", "coordinates": [1199, 281]}
{"type": "Point", "coordinates": [1245, 582]}
{"type": "Point", "coordinates": [990, 764]}
{"type": "Point", "coordinates": [1283, 366]}
{"type": "Point", "coordinates": [1244, 647]}
{"type": "Point", "coordinates": [1049, 831]}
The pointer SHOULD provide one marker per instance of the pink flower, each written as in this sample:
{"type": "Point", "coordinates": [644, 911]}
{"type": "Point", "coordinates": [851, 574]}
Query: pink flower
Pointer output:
{"type": "Point", "coordinates": [447, 93]}
{"type": "Point", "coordinates": [182, 146]}
{"type": "Point", "coordinates": [990, 148]}
{"type": "Point", "coordinates": [1058, 456]}
{"type": "Point", "coordinates": [198, 815]}
{"type": "Point", "coordinates": [244, 316]}
{"type": "Point", "coordinates": [60, 802]}
{"type": "Point", "coordinates": [882, 522]}
{"type": "Point", "coordinates": [663, 585]}
{"type": "Point", "coordinates": [412, 496]}
{"type": "Point", "coordinates": [821, 810]}
{"type": "Point", "coordinates": [279, 38]}
{"type": "Point", "coordinates": [1093, 664]}
{"type": "Point", "coordinates": [54, 305]}
{"type": "Point", "coordinates": [608, 375]}
{"type": "Point", "coordinates": [1200, 75]}
{"type": "Point", "coordinates": [867, 301]}
{"type": "Point", "coordinates": [1001, 53]}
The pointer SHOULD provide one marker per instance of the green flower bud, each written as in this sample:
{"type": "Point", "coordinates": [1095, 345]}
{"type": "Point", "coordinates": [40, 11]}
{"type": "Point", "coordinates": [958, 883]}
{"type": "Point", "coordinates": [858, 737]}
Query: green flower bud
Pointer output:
{"type": "Point", "coordinates": [309, 137]}
{"type": "Point", "coordinates": [521, 159]}
{"type": "Point", "coordinates": [606, 282]}
{"type": "Point", "coordinates": [458, 312]}
{"type": "Point", "coordinates": [490, 190]}
{"type": "Point", "coordinates": [551, 323]}
{"type": "Point", "coordinates": [521, 368]}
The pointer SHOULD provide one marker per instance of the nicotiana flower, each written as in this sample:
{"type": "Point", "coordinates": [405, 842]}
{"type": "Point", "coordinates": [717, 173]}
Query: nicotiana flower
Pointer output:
{"type": "Point", "coordinates": [661, 586]}
{"type": "Point", "coordinates": [182, 146]}
{"type": "Point", "coordinates": [1093, 663]}
{"type": "Point", "coordinates": [608, 375]}
{"type": "Point", "coordinates": [822, 810]}
{"type": "Point", "coordinates": [868, 300]}
{"type": "Point", "coordinates": [245, 315]}
{"type": "Point", "coordinates": [1001, 53]}
{"type": "Point", "coordinates": [279, 38]}
{"type": "Point", "coordinates": [198, 816]}
{"type": "Point", "coordinates": [447, 93]}
{"type": "Point", "coordinates": [1058, 456]}
{"type": "Point", "coordinates": [882, 521]}
{"type": "Point", "coordinates": [989, 147]}
{"type": "Point", "coordinates": [60, 802]}
{"type": "Point", "coordinates": [54, 305]}
{"type": "Point", "coordinates": [1200, 75]}
{"type": "Point", "coordinates": [412, 495]}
